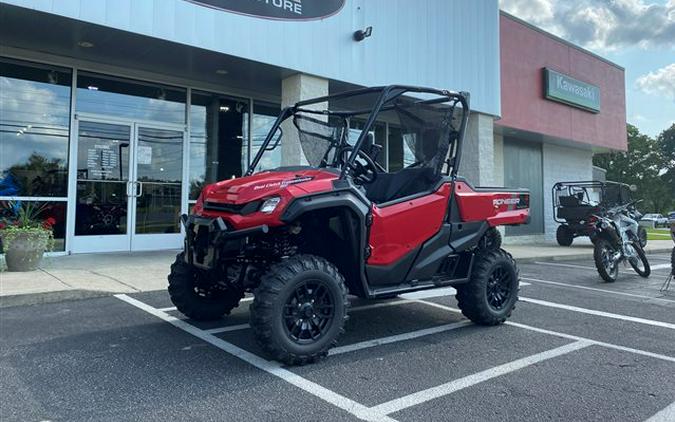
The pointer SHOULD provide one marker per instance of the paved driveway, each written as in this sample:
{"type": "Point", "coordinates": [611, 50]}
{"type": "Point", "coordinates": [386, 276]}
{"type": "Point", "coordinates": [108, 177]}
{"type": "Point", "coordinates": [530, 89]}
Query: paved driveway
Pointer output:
{"type": "Point", "coordinates": [575, 349]}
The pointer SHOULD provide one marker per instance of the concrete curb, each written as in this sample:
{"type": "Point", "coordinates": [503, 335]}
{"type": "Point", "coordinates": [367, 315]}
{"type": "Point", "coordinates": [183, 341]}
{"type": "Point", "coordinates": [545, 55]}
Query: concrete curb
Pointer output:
{"type": "Point", "coordinates": [531, 260]}
{"type": "Point", "coordinates": [50, 297]}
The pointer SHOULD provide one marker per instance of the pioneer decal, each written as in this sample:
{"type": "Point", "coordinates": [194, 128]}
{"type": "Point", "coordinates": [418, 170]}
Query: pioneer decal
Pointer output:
{"type": "Point", "coordinates": [277, 9]}
{"type": "Point", "coordinates": [283, 184]}
{"type": "Point", "coordinates": [505, 201]}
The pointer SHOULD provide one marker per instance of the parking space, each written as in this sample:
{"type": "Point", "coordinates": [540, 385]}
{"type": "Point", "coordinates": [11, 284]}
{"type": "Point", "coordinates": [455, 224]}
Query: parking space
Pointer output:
{"type": "Point", "coordinates": [574, 349]}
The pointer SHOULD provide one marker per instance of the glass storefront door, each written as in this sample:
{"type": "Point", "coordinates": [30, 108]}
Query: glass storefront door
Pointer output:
{"type": "Point", "coordinates": [129, 187]}
{"type": "Point", "coordinates": [157, 197]}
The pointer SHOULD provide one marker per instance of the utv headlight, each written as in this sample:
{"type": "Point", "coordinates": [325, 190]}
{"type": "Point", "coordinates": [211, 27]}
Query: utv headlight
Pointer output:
{"type": "Point", "coordinates": [270, 205]}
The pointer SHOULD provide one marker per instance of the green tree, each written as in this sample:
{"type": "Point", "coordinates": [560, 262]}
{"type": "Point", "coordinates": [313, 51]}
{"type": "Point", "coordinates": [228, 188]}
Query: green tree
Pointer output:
{"type": "Point", "coordinates": [666, 142]}
{"type": "Point", "coordinates": [644, 165]}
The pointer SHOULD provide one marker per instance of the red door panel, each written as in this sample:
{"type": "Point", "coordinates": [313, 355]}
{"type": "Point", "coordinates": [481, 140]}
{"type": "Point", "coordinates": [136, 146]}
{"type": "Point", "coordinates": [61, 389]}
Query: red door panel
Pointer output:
{"type": "Point", "coordinates": [400, 228]}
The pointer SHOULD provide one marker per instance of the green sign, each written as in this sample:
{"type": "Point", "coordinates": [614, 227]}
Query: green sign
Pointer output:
{"type": "Point", "coordinates": [565, 89]}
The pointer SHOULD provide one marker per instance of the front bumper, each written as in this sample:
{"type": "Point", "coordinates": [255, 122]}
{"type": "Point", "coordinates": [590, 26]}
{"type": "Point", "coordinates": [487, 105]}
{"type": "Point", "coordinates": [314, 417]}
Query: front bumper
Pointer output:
{"type": "Point", "coordinates": [206, 237]}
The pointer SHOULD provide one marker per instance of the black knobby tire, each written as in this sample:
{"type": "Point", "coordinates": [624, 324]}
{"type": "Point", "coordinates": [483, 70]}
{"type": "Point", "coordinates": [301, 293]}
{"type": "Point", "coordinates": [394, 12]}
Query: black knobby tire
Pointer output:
{"type": "Point", "coordinates": [492, 291]}
{"type": "Point", "coordinates": [646, 270]}
{"type": "Point", "coordinates": [601, 255]}
{"type": "Point", "coordinates": [491, 240]}
{"type": "Point", "coordinates": [642, 235]}
{"type": "Point", "coordinates": [192, 301]}
{"type": "Point", "coordinates": [300, 297]}
{"type": "Point", "coordinates": [564, 235]}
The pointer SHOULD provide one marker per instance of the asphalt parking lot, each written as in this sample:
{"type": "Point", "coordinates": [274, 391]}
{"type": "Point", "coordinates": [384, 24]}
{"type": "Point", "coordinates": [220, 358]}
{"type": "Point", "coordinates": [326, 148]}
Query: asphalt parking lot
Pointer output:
{"type": "Point", "coordinates": [574, 349]}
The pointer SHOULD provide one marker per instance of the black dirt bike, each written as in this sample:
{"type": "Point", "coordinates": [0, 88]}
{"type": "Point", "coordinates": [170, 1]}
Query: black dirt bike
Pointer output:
{"type": "Point", "coordinates": [616, 242]}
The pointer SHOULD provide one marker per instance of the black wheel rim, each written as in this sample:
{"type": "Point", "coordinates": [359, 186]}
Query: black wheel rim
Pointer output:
{"type": "Point", "coordinates": [499, 288]}
{"type": "Point", "coordinates": [308, 312]}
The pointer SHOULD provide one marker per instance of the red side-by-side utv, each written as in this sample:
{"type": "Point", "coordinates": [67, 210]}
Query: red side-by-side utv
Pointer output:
{"type": "Point", "coordinates": [301, 238]}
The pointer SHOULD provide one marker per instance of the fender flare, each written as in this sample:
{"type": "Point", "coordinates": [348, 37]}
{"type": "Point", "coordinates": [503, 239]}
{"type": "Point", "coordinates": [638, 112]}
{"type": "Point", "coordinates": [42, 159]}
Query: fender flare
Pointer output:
{"type": "Point", "coordinates": [347, 198]}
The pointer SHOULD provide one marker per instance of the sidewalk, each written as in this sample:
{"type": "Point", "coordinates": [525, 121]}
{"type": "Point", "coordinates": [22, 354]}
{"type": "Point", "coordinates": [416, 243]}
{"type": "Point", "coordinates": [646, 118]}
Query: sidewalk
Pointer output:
{"type": "Point", "coordinates": [91, 275]}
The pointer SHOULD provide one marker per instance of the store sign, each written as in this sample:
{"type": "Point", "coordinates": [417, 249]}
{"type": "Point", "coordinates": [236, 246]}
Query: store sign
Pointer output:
{"type": "Point", "coordinates": [277, 9]}
{"type": "Point", "coordinates": [565, 89]}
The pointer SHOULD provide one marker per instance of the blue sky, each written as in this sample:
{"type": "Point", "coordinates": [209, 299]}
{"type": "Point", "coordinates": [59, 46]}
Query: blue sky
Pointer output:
{"type": "Point", "coordinates": [636, 34]}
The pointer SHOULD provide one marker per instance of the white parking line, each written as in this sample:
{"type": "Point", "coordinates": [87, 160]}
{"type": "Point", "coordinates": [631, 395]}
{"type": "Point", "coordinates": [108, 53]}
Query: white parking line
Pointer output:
{"type": "Point", "coordinates": [273, 368]}
{"type": "Point", "coordinates": [471, 380]}
{"type": "Point", "coordinates": [644, 321]}
{"type": "Point", "coordinates": [557, 264]}
{"type": "Point", "coordinates": [396, 338]}
{"type": "Point", "coordinates": [564, 335]}
{"type": "Point", "coordinates": [576, 286]}
{"type": "Point", "coordinates": [666, 415]}
{"type": "Point", "coordinates": [228, 329]}
{"type": "Point", "coordinates": [587, 267]}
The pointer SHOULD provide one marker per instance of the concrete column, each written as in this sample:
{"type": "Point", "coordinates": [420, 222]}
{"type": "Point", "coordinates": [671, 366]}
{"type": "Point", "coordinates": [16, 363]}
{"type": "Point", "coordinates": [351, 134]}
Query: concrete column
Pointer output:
{"type": "Point", "coordinates": [499, 160]}
{"type": "Point", "coordinates": [498, 172]}
{"type": "Point", "coordinates": [561, 164]}
{"type": "Point", "coordinates": [478, 160]}
{"type": "Point", "coordinates": [297, 88]}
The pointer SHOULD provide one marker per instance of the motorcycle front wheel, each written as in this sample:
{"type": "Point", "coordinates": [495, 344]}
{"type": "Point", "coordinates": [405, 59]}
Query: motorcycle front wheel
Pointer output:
{"type": "Point", "coordinates": [639, 262]}
{"type": "Point", "coordinates": [603, 255]}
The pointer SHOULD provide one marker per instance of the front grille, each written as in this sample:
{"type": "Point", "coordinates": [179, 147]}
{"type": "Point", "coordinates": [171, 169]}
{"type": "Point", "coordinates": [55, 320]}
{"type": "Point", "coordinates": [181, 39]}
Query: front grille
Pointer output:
{"type": "Point", "coordinates": [241, 209]}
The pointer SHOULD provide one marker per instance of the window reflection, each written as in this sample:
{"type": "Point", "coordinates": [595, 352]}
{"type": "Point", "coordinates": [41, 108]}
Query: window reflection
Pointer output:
{"type": "Point", "coordinates": [135, 100]}
{"type": "Point", "coordinates": [34, 129]}
{"type": "Point", "coordinates": [159, 155]}
{"type": "Point", "coordinates": [103, 151]}
{"type": "Point", "coordinates": [102, 175]}
{"type": "Point", "coordinates": [101, 208]}
{"type": "Point", "coordinates": [218, 147]}
{"type": "Point", "coordinates": [264, 116]}
{"type": "Point", "coordinates": [54, 210]}
{"type": "Point", "coordinates": [400, 154]}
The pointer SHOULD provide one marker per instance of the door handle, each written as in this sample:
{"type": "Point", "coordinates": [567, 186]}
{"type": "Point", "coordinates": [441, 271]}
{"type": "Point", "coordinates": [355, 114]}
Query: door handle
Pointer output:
{"type": "Point", "coordinates": [129, 190]}
{"type": "Point", "coordinates": [139, 189]}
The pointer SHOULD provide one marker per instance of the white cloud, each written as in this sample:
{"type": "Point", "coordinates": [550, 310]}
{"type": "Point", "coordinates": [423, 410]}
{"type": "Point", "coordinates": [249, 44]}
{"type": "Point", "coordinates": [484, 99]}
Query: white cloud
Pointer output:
{"type": "Point", "coordinates": [659, 82]}
{"type": "Point", "coordinates": [601, 24]}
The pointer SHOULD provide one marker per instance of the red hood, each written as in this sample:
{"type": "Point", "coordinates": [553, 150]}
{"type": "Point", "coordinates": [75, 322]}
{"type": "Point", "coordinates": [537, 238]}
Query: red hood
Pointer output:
{"type": "Point", "coordinates": [269, 183]}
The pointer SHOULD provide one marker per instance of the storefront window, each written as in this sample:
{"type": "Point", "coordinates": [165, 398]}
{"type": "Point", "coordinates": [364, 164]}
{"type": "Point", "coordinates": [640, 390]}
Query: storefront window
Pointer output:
{"type": "Point", "coordinates": [264, 116]}
{"type": "Point", "coordinates": [34, 129]}
{"type": "Point", "coordinates": [218, 132]}
{"type": "Point", "coordinates": [400, 154]}
{"type": "Point", "coordinates": [118, 97]}
{"type": "Point", "coordinates": [53, 212]}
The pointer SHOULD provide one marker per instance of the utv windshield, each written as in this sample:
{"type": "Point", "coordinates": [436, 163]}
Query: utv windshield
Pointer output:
{"type": "Point", "coordinates": [396, 127]}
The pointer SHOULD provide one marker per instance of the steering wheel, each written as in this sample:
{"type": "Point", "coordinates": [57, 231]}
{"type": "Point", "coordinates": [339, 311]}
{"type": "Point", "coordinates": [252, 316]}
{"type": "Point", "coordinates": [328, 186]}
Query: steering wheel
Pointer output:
{"type": "Point", "coordinates": [362, 174]}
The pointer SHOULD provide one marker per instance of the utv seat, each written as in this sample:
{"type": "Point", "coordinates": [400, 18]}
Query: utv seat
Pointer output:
{"type": "Point", "coordinates": [571, 209]}
{"type": "Point", "coordinates": [410, 181]}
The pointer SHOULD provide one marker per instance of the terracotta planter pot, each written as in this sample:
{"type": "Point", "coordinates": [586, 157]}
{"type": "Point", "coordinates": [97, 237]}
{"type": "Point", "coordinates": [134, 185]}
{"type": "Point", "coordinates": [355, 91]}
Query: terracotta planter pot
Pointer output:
{"type": "Point", "coordinates": [24, 251]}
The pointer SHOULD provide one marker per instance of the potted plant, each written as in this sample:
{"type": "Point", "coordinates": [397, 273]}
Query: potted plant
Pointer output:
{"type": "Point", "coordinates": [25, 235]}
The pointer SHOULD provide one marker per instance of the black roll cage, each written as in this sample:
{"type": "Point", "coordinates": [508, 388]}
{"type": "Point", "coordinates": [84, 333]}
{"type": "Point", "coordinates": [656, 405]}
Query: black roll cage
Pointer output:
{"type": "Point", "coordinates": [583, 185]}
{"type": "Point", "coordinates": [388, 93]}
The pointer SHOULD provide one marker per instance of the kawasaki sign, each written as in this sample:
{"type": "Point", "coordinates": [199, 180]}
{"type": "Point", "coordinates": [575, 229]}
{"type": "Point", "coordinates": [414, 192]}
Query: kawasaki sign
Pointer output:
{"type": "Point", "coordinates": [565, 89]}
{"type": "Point", "coordinates": [277, 9]}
